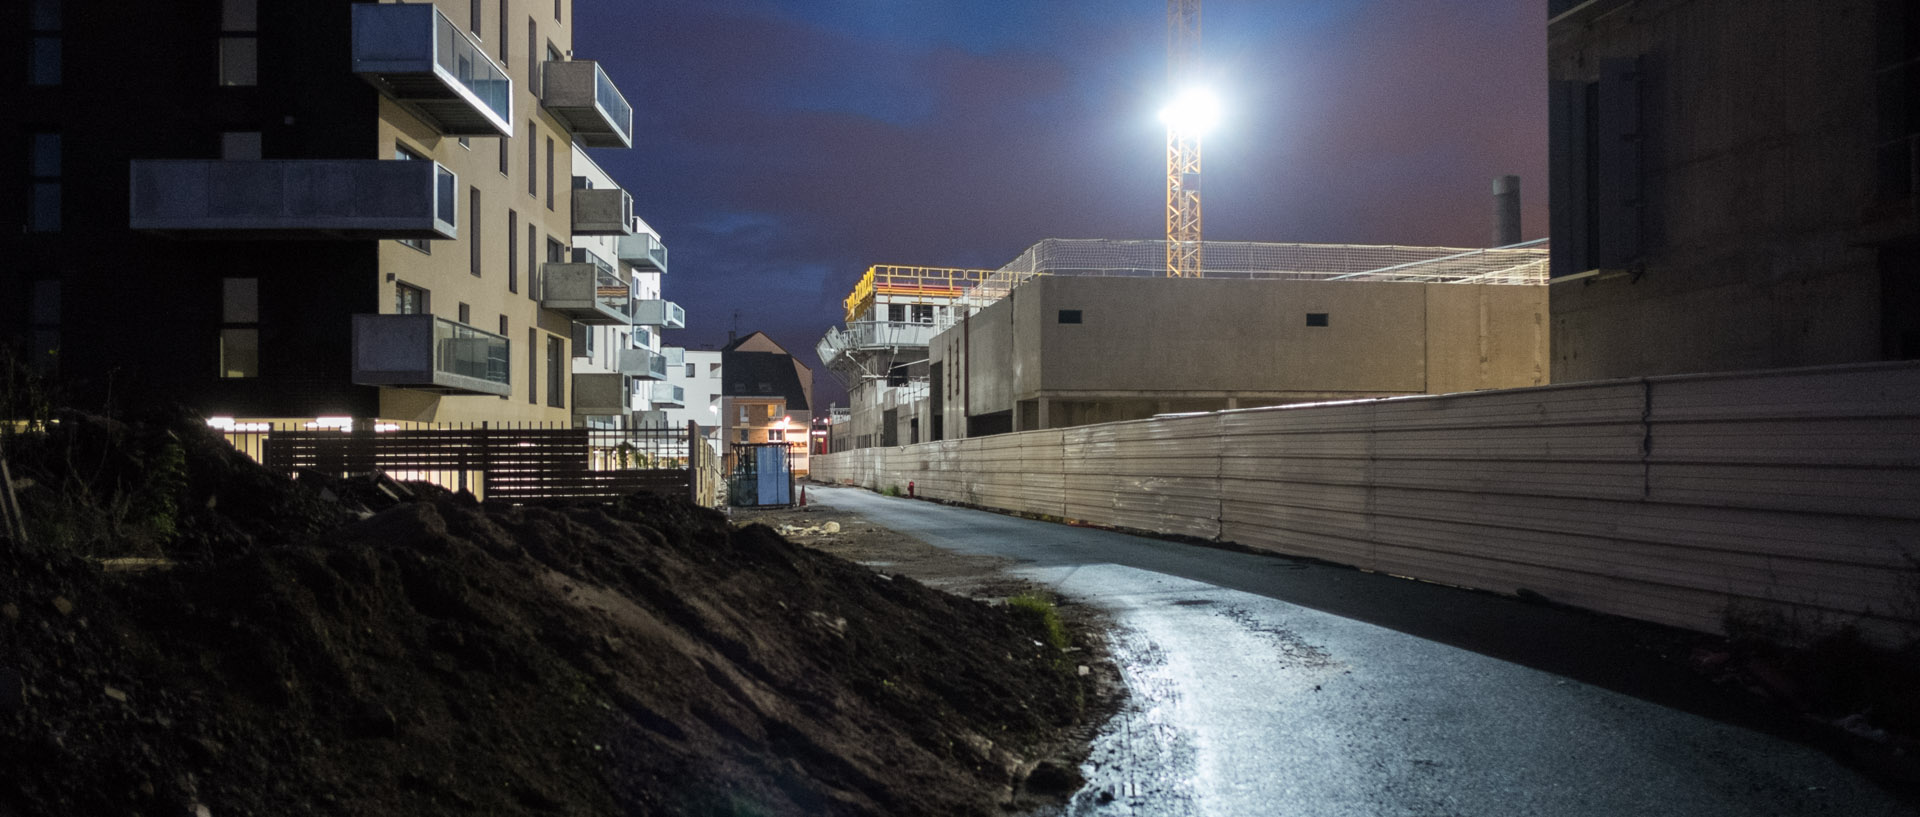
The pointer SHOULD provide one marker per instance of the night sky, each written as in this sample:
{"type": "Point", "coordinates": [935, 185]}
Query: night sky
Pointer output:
{"type": "Point", "coordinates": [783, 147]}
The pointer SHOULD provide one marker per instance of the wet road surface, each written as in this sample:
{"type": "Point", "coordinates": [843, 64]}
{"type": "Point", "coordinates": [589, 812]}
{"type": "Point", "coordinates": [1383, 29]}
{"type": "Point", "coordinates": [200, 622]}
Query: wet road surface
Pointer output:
{"type": "Point", "coordinates": [1245, 703]}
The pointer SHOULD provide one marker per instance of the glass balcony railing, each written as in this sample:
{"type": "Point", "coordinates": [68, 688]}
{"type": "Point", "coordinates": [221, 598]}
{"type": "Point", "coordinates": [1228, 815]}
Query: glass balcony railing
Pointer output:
{"type": "Point", "coordinates": [601, 394]}
{"type": "Point", "coordinates": [642, 363]}
{"type": "Point", "coordinates": [668, 395]}
{"type": "Point", "coordinates": [428, 353]}
{"type": "Point", "coordinates": [643, 250]}
{"type": "Point", "coordinates": [664, 314]}
{"type": "Point", "coordinates": [420, 59]}
{"type": "Point", "coordinates": [589, 290]}
{"type": "Point", "coordinates": [581, 95]}
{"type": "Point", "coordinates": [888, 334]}
{"type": "Point", "coordinates": [294, 198]}
{"type": "Point", "coordinates": [602, 211]}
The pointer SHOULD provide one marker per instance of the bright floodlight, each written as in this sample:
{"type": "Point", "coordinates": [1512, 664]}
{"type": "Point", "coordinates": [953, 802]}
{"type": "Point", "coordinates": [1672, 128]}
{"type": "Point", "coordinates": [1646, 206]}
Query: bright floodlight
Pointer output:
{"type": "Point", "coordinates": [1194, 112]}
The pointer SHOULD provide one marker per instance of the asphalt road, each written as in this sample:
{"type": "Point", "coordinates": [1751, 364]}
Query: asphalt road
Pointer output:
{"type": "Point", "coordinates": [1268, 686]}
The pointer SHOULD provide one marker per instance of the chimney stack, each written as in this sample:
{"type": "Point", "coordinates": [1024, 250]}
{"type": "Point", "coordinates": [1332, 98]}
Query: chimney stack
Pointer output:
{"type": "Point", "coordinates": [1506, 211]}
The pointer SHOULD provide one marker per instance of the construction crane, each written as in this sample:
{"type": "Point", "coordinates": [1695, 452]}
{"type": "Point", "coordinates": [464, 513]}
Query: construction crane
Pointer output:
{"type": "Point", "coordinates": [1185, 123]}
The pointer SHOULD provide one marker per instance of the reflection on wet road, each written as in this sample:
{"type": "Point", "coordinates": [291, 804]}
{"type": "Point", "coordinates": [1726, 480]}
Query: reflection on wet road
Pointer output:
{"type": "Point", "coordinates": [1244, 704]}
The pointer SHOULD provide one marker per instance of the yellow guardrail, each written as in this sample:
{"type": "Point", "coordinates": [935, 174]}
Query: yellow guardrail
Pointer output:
{"type": "Point", "coordinates": [921, 283]}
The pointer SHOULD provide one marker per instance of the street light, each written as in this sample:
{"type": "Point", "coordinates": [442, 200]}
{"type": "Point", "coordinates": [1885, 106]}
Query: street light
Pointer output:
{"type": "Point", "coordinates": [1194, 112]}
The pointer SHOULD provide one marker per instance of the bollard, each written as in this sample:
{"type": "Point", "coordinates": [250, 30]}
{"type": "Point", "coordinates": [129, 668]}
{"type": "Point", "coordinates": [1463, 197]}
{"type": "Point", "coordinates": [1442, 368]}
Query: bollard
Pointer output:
{"type": "Point", "coordinates": [803, 495]}
{"type": "Point", "coordinates": [909, 489]}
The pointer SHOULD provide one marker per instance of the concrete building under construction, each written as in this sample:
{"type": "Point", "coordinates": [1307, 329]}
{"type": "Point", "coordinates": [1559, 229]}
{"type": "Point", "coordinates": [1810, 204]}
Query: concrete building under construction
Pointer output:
{"type": "Point", "coordinates": [1086, 331]}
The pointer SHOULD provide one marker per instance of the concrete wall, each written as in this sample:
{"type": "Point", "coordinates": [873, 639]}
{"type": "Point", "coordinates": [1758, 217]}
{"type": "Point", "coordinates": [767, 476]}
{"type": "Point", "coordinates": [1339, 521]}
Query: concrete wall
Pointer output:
{"type": "Point", "coordinates": [1146, 346]}
{"type": "Point", "coordinates": [1761, 220]}
{"type": "Point", "coordinates": [1682, 500]}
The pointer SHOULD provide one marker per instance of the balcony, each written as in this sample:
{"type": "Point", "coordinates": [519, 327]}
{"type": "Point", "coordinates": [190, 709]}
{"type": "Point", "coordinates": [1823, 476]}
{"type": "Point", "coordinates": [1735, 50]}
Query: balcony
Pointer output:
{"type": "Point", "coordinates": [602, 211]}
{"type": "Point", "coordinates": [644, 251]}
{"type": "Point", "coordinates": [644, 364]}
{"type": "Point", "coordinates": [584, 98]}
{"type": "Point", "coordinates": [664, 314]}
{"type": "Point", "coordinates": [675, 355]}
{"type": "Point", "coordinates": [296, 198]}
{"type": "Point", "coordinates": [668, 395]}
{"type": "Point", "coordinates": [588, 291]}
{"type": "Point", "coordinates": [426, 353]}
{"type": "Point", "coordinates": [889, 334]}
{"type": "Point", "coordinates": [601, 394]}
{"type": "Point", "coordinates": [420, 59]}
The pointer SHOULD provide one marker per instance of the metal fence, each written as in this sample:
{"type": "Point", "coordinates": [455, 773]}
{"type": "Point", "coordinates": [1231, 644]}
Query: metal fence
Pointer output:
{"type": "Point", "coordinates": [1697, 501]}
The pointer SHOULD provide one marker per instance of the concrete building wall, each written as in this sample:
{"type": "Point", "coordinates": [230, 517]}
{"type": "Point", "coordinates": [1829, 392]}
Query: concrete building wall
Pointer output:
{"type": "Point", "coordinates": [1765, 235]}
{"type": "Point", "coordinates": [1145, 346]}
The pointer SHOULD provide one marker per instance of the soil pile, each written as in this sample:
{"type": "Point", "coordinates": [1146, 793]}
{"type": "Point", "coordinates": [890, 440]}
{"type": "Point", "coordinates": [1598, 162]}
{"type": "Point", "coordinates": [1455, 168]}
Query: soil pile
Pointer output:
{"type": "Point", "coordinates": [438, 657]}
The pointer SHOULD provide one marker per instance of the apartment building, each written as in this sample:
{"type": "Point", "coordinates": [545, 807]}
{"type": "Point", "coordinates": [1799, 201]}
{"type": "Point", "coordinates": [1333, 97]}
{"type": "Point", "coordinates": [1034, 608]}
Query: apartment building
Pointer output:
{"type": "Point", "coordinates": [766, 396]}
{"type": "Point", "coordinates": [323, 209]}
{"type": "Point", "coordinates": [691, 393]}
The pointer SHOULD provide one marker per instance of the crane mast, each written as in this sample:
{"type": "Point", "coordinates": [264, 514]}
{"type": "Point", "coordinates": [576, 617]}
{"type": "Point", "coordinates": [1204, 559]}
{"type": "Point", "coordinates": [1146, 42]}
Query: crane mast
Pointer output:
{"type": "Point", "coordinates": [1184, 250]}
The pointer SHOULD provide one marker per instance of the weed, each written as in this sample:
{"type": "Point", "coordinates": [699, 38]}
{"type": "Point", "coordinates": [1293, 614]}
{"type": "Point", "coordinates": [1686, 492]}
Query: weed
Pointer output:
{"type": "Point", "coordinates": [891, 490]}
{"type": "Point", "coordinates": [1040, 614]}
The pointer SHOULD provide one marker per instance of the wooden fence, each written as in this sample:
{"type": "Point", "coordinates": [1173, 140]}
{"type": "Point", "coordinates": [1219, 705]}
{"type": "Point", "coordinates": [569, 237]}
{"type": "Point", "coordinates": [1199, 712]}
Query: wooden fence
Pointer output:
{"type": "Point", "coordinates": [516, 465]}
{"type": "Point", "coordinates": [1786, 496]}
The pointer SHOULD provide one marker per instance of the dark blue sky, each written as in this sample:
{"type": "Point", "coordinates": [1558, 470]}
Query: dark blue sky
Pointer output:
{"type": "Point", "coordinates": [783, 147]}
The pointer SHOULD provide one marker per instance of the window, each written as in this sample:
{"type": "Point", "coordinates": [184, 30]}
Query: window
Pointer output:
{"type": "Point", "coordinates": [556, 11]}
{"type": "Point", "coordinates": [44, 314]}
{"type": "Point", "coordinates": [533, 365]}
{"type": "Point", "coordinates": [533, 262]}
{"type": "Point", "coordinates": [713, 371]}
{"type": "Point", "coordinates": [503, 32]}
{"type": "Point", "coordinates": [476, 9]}
{"type": "Point", "coordinates": [690, 369]}
{"type": "Point", "coordinates": [474, 244]}
{"type": "Point", "coordinates": [513, 249]}
{"type": "Point", "coordinates": [1069, 316]}
{"type": "Point", "coordinates": [549, 173]}
{"type": "Point", "coordinates": [43, 46]}
{"type": "Point", "coordinates": [745, 436]}
{"type": "Point", "coordinates": [897, 313]}
{"type": "Point", "coordinates": [43, 185]}
{"type": "Point", "coordinates": [503, 333]}
{"type": "Point", "coordinates": [240, 145]}
{"type": "Point", "coordinates": [923, 313]}
{"type": "Point", "coordinates": [1316, 319]}
{"type": "Point", "coordinates": [409, 300]}
{"type": "Point", "coordinates": [773, 409]}
{"type": "Point", "coordinates": [403, 153]}
{"type": "Point", "coordinates": [533, 159]}
{"type": "Point", "coordinates": [239, 327]}
{"type": "Point", "coordinates": [533, 62]}
{"type": "Point", "coordinates": [556, 251]}
{"type": "Point", "coordinates": [556, 364]}
{"type": "Point", "coordinates": [775, 435]}
{"type": "Point", "coordinates": [239, 42]}
{"type": "Point", "coordinates": [466, 314]}
{"type": "Point", "coordinates": [743, 414]}
{"type": "Point", "coordinates": [505, 157]}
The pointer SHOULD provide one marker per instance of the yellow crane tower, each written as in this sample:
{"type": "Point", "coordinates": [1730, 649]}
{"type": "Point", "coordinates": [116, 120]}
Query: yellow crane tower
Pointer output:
{"type": "Point", "coordinates": [1184, 120]}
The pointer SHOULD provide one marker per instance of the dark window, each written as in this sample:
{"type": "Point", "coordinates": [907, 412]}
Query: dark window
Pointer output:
{"type": "Point", "coordinates": [239, 42]}
{"type": "Point", "coordinates": [466, 314]}
{"type": "Point", "coordinates": [505, 155]}
{"type": "Point", "coordinates": [239, 327]}
{"type": "Point", "coordinates": [475, 10]}
{"type": "Point", "coordinates": [556, 366]}
{"type": "Point", "coordinates": [533, 262]}
{"type": "Point", "coordinates": [533, 365]}
{"type": "Point", "coordinates": [403, 153]}
{"type": "Point", "coordinates": [1069, 316]}
{"type": "Point", "coordinates": [1594, 194]}
{"type": "Point", "coordinates": [897, 313]}
{"type": "Point", "coordinates": [240, 145]}
{"type": "Point", "coordinates": [549, 173]}
{"type": "Point", "coordinates": [474, 244]}
{"type": "Point", "coordinates": [533, 159]}
{"type": "Point", "coordinates": [556, 11]}
{"type": "Point", "coordinates": [43, 171]}
{"type": "Point", "coordinates": [1897, 70]}
{"type": "Point", "coordinates": [43, 46]}
{"type": "Point", "coordinates": [409, 300]}
{"type": "Point", "coordinates": [690, 370]}
{"type": "Point", "coordinates": [1316, 319]}
{"type": "Point", "coordinates": [513, 251]}
{"type": "Point", "coordinates": [556, 251]}
{"type": "Point", "coordinates": [923, 313]}
{"type": "Point", "coordinates": [503, 32]}
{"type": "Point", "coordinates": [44, 315]}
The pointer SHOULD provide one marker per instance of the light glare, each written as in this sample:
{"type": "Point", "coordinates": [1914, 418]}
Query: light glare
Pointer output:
{"type": "Point", "coordinates": [1194, 112]}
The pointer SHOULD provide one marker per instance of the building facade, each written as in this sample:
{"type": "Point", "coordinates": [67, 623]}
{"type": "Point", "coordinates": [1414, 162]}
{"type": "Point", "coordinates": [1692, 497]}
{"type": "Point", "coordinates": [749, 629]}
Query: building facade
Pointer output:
{"type": "Point", "coordinates": [324, 209]}
{"type": "Point", "coordinates": [1733, 185]}
{"type": "Point", "coordinates": [766, 396]}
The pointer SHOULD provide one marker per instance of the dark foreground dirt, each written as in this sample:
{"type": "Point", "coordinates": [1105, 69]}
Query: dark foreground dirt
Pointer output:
{"type": "Point", "coordinates": [438, 657]}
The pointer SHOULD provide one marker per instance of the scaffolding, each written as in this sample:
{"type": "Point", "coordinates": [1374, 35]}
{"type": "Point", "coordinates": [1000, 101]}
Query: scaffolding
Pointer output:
{"type": "Point", "coordinates": [939, 285]}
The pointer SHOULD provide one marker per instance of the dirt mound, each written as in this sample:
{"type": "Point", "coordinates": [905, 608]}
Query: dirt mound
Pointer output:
{"type": "Point", "coordinates": [443, 658]}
